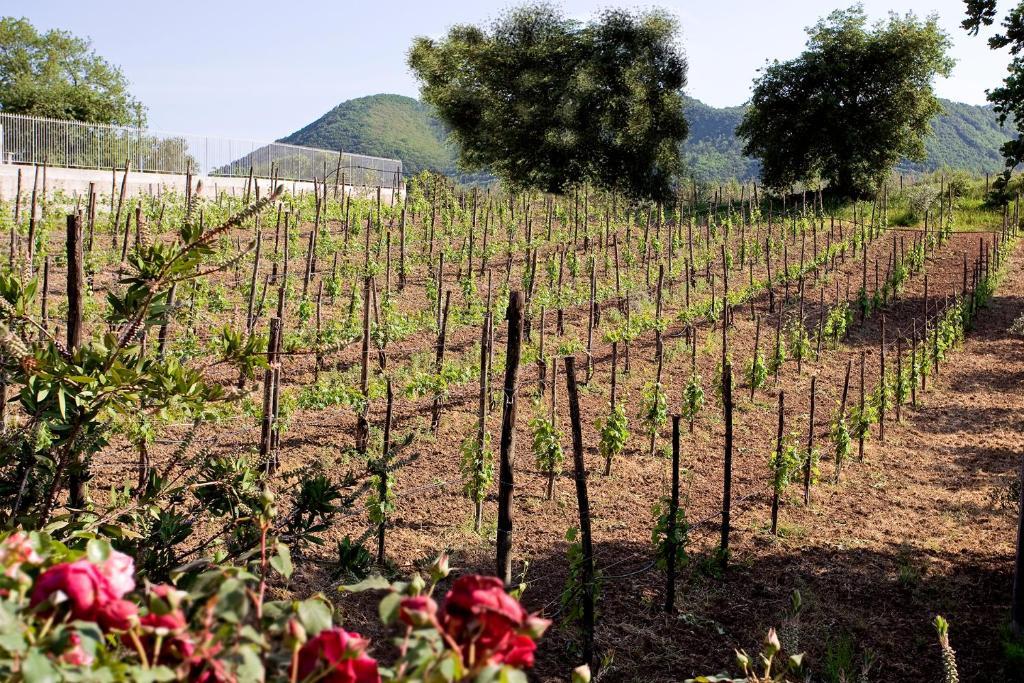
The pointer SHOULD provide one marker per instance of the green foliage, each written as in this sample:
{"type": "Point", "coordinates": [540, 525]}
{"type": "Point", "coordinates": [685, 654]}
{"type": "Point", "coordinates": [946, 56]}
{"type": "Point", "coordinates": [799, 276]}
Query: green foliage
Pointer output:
{"type": "Point", "coordinates": [841, 441]}
{"type": "Point", "coordinates": [757, 371]}
{"type": "Point", "coordinates": [839, 319]}
{"type": "Point", "coordinates": [614, 430]}
{"type": "Point", "coordinates": [314, 508]}
{"type": "Point", "coordinates": [785, 466]}
{"type": "Point", "coordinates": [1008, 98]}
{"type": "Point", "coordinates": [354, 560]}
{"type": "Point", "coordinates": [693, 397]}
{"type": "Point", "coordinates": [543, 101]}
{"type": "Point", "coordinates": [573, 596]}
{"type": "Point", "coordinates": [477, 467]}
{"type": "Point", "coordinates": [660, 535]}
{"type": "Point", "coordinates": [655, 407]}
{"type": "Point", "coordinates": [824, 114]}
{"type": "Point", "coordinates": [799, 342]}
{"type": "Point", "coordinates": [547, 445]}
{"type": "Point", "coordinates": [58, 75]}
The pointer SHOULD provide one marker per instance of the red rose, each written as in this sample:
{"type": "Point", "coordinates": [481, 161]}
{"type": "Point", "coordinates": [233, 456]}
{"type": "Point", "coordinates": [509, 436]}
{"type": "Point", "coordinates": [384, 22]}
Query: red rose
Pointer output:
{"type": "Point", "coordinates": [117, 615]}
{"type": "Point", "coordinates": [172, 622]}
{"type": "Point", "coordinates": [474, 594]}
{"type": "Point", "coordinates": [519, 654]}
{"type": "Point", "coordinates": [177, 644]}
{"type": "Point", "coordinates": [490, 626]}
{"type": "Point", "coordinates": [81, 583]}
{"type": "Point", "coordinates": [417, 611]}
{"type": "Point", "coordinates": [341, 654]}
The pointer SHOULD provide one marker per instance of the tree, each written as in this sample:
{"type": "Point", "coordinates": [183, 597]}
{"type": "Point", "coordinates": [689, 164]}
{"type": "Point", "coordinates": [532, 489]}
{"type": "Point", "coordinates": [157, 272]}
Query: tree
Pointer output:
{"type": "Point", "coordinates": [853, 104]}
{"type": "Point", "coordinates": [543, 101]}
{"type": "Point", "coordinates": [59, 75]}
{"type": "Point", "coordinates": [1008, 99]}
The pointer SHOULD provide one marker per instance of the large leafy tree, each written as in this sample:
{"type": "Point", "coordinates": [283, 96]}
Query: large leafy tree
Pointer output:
{"type": "Point", "coordinates": [59, 75]}
{"type": "Point", "coordinates": [543, 101]}
{"type": "Point", "coordinates": [1008, 99]}
{"type": "Point", "coordinates": [853, 104]}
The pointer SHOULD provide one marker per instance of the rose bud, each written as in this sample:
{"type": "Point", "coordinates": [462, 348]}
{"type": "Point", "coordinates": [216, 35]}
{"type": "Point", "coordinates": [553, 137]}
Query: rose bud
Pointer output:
{"type": "Point", "coordinates": [295, 636]}
{"type": "Point", "coordinates": [169, 594]}
{"type": "Point", "coordinates": [439, 569]}
{"type": "Point", "coordinates": [416, 584]}
{"type": "Point", "coordinates": [771, 643]}
{"type": "Point", "coordinates": [535, 626]}
{"type": "Point", "coordinates": [581, 674]}
{"type": "Point", "coordinates": [418, 611]}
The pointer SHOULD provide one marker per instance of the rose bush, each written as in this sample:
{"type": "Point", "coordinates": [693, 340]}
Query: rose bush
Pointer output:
{"type": "Point", "coordinates": [81, 614]}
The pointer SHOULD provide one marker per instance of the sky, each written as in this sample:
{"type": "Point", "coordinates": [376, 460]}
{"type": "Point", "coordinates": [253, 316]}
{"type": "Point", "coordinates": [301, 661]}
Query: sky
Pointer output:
{"type": "Point", "coordinates": [259, 70]}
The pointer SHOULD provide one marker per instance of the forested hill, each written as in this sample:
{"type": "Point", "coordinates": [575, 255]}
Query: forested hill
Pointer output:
{"type": "Point", "coordinates": [965, 136]}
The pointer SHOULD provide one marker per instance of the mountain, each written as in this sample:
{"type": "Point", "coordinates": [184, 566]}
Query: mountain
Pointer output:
{"type": "Point", "coordinates": [392, 126]}
{"type": "Point", "coordinates": [965, 137]}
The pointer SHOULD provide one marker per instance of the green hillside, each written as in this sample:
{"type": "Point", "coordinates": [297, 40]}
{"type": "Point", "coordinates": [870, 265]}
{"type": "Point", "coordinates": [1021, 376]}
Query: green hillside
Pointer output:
{"type": "Point", "coordinates": [392, 126]}
{"type": "Point", "coordinates": [965, 136]}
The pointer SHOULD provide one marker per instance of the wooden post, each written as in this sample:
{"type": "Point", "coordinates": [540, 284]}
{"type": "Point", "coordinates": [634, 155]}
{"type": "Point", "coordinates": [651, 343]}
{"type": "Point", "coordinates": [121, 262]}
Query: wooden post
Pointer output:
{"type": "Point", "coordinates": [435, 415]}
{"type": "Point", "coordinates": [514, 315]}
{"type": "Point", "coordinates": [673, 511]}
{"type": "Point", "coordinates": [481, 432]}
{"type": "Point", "coordinates": [615, 364]}
{"type": "Point", "coordinates": [268, 392]}
{"type": "Point", "coordinates": [1017, 600]}
{"type": "Point", "coordinates": [550, 493]}
{"type": "Point", "coordinates": [860, 439]}
{"type": "Point", "coordinates": [45, 308]}
{"type": "Point", "coordinates": [809, 461]}
{"type": "Point", "coordinates": [362, 426]}
{"type": "Point", "coordinates": [382, 472]}
{"type": "Point", "coordinates": [591, 319]}
{"type": "Point", "coordinates": [778, 464]}
{"type": "Point", "coordinates": [75, 281]}
{"type": "Point", "coordinates": [580, 471]}
{"type": "Point", "coordinates": [881, 382]}
{"type": "Point", "coordinates": [727, 461]}
{"type": "Point", "coordinates": [757, 349]}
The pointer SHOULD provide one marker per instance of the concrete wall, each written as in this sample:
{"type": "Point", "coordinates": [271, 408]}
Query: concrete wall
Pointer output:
{"type": "Point", "coordinates": [76, 180]}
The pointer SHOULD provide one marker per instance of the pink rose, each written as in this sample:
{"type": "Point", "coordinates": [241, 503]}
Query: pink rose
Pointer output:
{"type": "Point", "coordinates": [119, 570]}
{"type": "Point", "coordinates": [117, 615]}
{"type": "Point", "coordinates": [337, 656]}
{"type": "Point", "coordinates": [417, 611]}
{"type": "Point", "coordinates": [16, 550]}
{"type": "Point", "coordinates": [80, 582]}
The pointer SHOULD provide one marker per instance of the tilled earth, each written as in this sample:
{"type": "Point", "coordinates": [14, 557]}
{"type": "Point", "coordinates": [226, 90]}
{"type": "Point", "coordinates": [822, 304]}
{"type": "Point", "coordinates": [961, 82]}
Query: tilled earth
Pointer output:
{"type": "Point", "coordinates": [919, 527]}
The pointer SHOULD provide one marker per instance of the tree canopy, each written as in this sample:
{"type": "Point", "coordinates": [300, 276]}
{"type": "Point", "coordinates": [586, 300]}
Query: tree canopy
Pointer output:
{"type": "Point", "coordinates": [543, 101]}
{"type": "Point", "coordinates": [58, 75]}
{"type": "Point", "coordinates": [853, 104]}
{"type": "Point", "coordinates": [1008, 99]}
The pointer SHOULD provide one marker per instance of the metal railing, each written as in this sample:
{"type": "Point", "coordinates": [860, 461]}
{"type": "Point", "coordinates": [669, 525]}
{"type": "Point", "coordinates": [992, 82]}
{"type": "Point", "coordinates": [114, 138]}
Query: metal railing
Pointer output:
{"type": "Point", "coordinates": [73, 144]}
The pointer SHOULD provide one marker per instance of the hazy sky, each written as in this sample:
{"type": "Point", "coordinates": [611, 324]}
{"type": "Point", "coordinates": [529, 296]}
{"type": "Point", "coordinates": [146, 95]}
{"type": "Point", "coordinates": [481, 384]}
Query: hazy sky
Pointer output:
{"type": "Point", "coordinates": [259, 69]}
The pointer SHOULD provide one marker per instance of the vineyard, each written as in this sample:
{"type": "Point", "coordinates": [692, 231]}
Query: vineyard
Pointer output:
{"type": "Point", "coordinates": [670, 427]}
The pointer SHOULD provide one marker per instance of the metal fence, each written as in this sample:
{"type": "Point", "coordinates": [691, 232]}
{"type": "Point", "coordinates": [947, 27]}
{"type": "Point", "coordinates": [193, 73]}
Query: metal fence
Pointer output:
{"type": "Point", "coordinates": [33, 140]}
